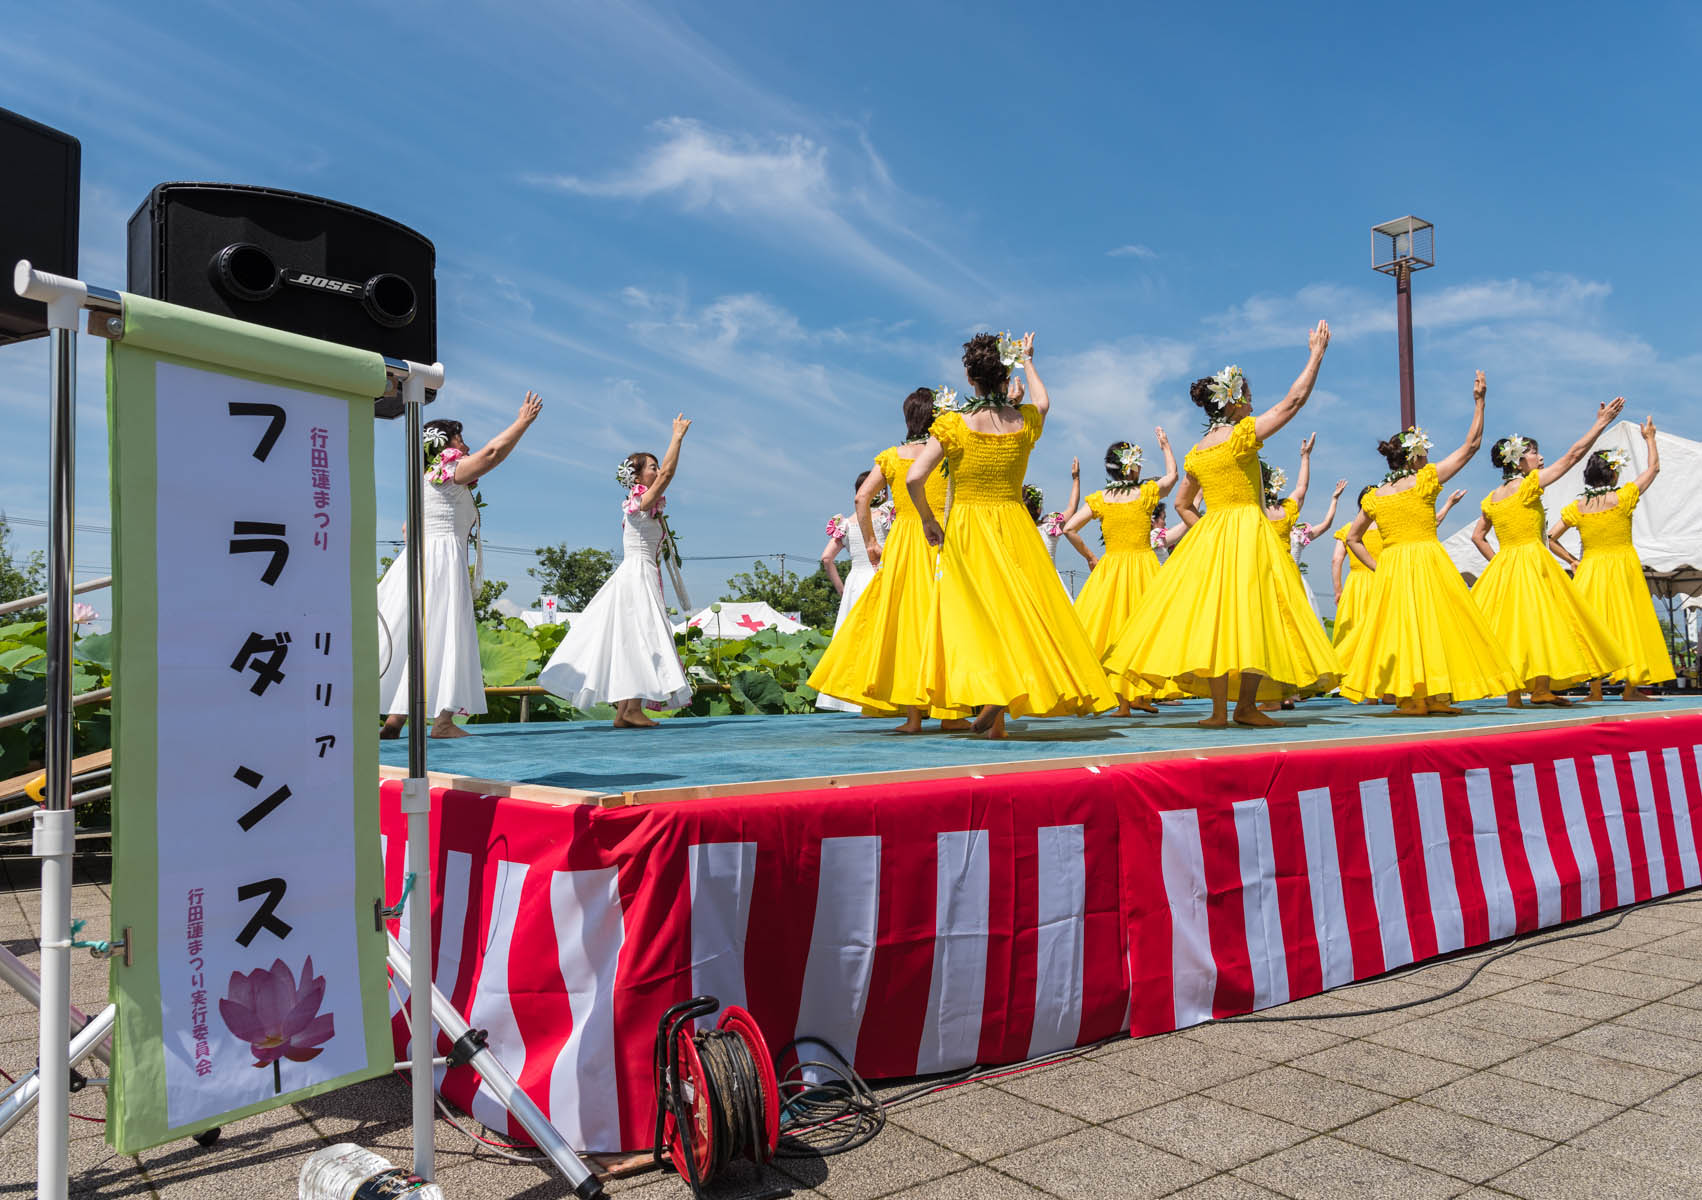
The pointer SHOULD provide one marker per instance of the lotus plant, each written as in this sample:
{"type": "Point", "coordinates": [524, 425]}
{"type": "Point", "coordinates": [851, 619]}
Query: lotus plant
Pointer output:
{"type": "Point", "coordinates": [278, 1015]}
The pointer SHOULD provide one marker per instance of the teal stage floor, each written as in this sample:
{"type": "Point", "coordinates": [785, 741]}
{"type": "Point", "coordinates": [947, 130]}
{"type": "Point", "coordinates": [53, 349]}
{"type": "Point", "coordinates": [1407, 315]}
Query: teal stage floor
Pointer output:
{"type": "Point", "coordinates": [704, 751]}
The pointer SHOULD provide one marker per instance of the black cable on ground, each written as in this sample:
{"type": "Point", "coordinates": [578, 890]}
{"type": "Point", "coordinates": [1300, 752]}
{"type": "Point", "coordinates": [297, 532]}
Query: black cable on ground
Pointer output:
{"type": "Point", "coordinates": [836, 1113]}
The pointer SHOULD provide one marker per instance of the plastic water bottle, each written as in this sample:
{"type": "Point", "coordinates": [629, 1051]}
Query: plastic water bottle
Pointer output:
{"type": "Point", "coordinates": [346, 1172]}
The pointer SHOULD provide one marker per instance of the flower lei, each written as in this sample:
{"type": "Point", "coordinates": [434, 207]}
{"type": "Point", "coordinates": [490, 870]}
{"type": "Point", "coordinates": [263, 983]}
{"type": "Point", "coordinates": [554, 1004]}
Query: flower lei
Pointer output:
{"type": "Point", "coordinates": [441, 469]}
{"type": "Point", "coordinates": [1052, 524]}
{"type": "Point", "coordinates": [631, 504]}
{"type": "Point", "coordinates": [977, 404]}
{"type": "Point", "coordinates": [1129, 459]}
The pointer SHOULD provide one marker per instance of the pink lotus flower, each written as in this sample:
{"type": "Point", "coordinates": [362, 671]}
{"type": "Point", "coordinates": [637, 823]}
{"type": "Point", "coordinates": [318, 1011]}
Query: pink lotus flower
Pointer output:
{"type": "Point", "coordinates": [82, 614]}
{"type": "Point", "coordinates": [276, 1017]}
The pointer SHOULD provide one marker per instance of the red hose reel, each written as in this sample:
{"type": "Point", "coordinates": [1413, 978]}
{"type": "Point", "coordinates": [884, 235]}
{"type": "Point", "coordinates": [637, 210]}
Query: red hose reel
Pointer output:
{"type": "Point", "coordinates": [717, 1096]}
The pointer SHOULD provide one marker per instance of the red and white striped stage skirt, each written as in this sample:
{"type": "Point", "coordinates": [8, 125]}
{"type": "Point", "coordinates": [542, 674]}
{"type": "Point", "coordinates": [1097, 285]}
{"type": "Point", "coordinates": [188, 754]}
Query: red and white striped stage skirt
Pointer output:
{"type": "Point", "coordinates": [922, 927]}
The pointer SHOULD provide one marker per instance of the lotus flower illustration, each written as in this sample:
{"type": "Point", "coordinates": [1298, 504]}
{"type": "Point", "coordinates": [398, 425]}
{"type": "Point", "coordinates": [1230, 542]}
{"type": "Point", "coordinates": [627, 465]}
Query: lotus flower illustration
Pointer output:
{"type": "Point", "coordinates": [277, 1015]}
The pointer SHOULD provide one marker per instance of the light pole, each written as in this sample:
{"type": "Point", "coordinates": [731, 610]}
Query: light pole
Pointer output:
{"type": "Point", "coordinates": [1399, 248]}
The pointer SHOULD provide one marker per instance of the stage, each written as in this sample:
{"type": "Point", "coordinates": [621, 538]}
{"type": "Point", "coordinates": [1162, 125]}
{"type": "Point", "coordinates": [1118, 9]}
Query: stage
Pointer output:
{"type": "Point", "coordinates": [925, 903]}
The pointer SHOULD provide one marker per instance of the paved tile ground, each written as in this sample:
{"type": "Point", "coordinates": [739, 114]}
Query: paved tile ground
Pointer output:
{"type": "Point", "coordinates": [1572, 1068]}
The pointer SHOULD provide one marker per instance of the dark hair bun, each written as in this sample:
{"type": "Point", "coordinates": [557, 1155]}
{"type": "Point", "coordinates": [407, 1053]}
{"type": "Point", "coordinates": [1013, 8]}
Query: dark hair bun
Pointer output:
{"type": "Point", "coordinates": [918, 413]}
{"type": "Point", "coordinates": [1114, 463]}
{"type": "Point", "coordinates": [1200, 392]}
{"type": "Point", "coordinates": [1599, 472]}
{"type": "Point", "coordinates": [1393, 452]}
{"type": "Point", "coordinates": [981, 364]}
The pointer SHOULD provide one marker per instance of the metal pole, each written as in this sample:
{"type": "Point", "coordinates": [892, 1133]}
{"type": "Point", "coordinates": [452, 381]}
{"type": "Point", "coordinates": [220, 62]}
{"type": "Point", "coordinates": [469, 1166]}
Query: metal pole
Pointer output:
{"type": "Point", "coordinates": [52, 840]}
{"type": "Point", "coordinates": [416, 793]}
{"type": "Point", "coordinates": [16, 974]}
{"type": "Point", "coordinates": [27, 1093]}
{"type": "Point", "coordinates": [1403, 321]}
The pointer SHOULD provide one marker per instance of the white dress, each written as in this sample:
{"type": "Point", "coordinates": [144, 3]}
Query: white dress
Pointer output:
{"type": "Point", "coordinates": [622, 646]}
{"type": "Point", "coordinates": [454, 679]}
{"type": "Point", "coordinates": [862, 571]}
{"type": "Point", "coordinates": [1294, 548]}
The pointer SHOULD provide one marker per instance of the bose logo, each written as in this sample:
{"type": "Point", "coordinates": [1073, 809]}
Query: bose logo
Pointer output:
{"type": "Point", "coordinates": [321, 283]}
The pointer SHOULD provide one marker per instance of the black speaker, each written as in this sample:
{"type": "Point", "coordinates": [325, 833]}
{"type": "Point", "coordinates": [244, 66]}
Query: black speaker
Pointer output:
{"type": "Point", "coordinates": [289, 261]}
{"type": "Point", "coordinates": [38, 215]}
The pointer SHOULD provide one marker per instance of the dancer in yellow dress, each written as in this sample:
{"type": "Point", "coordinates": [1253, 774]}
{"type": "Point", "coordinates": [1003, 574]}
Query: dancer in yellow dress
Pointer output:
{"type": "Point", "coordinates": [1609, 577]}
{"type": "Point", "coordinates": [1118, 577]}
{"type": "Point", "coordinates": [876, 658]}
{"type": "Point", "coordinates": [1351, 593]}
{"type": "Point", "coordinates": [1419, 638]}
{"type": "Point", "coordinates": [1542, 625]}
{"type": "Point", "coordinates": [1003, 634]}
{"type": "Point", "coordinates": [1225, 614]}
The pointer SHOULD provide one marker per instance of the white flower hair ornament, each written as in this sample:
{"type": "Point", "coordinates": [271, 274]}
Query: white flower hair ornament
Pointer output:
{"type": "Point", "coordinates": [1414, 440]}
{"type": "Point", "coordinates": [1228, 387]}
{"type": "Point", "coordinates": [1276, 481]}
{"type": "Point", "coordinates": [1129, 458]}
{"type": "Point", "coordinates": [1517, 448]}
{"type": "Point", "coordinates": [435, 440]}
{"type": "Point", "coordinates": [626, 474]}
{"type": "Point", "coordinates": [1010, 351]}
{"type": "Point", "coordinates": [945, 399]}
{"type": "Point", "coordinates": [1617, 459]}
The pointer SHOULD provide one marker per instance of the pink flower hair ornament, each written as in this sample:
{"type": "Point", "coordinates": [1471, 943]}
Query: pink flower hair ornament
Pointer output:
{"type": "Point", "coordinates": [278, 1015]}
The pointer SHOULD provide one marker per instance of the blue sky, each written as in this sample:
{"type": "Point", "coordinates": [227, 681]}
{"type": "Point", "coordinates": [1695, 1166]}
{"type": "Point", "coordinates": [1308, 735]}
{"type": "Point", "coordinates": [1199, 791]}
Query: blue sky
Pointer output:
{"type": "Point", "coordinates": [782, 218]}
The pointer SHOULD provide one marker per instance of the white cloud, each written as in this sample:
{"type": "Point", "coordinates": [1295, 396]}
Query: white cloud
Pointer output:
{"type": "Point", "coordinates": [1132, 250]}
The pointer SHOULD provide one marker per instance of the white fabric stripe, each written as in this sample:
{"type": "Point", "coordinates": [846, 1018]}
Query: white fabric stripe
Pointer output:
{"type": "Point", "coordinates": [1613, 816]}
{"type": "Point", "coordinates": [1260, 907]}
{"type": "Point", "coordinates": [951, 1028]}
{"type": "Point", "coordinates": [398, 989]}
{"type": "Point", "coordinates": [842, 944]}
{"type": "Point", "coordinates": [1324, 875]}
{"type": "Point", "coordinates": [722, 874]}
{"type": "Point", "coordinates": [1537, 853]}
{"type": "Point", "coordinates": [1385, 872]}
{"type": "Point", "coordinates": [446, 964]}
{"type": "Point", "coordinates": [1193, 970]}
{"type": "Point", "coordinates": [1486, 836]}
{"type": "Point", "coordinates": [1681, 817]}
{"type": "Point", "coordinates": [1578, 835]}
{"type": "Point", "coordinates": [1653, 850]}
{"type": "Point", "coordinates": [1060, 949]}
{"type": "Point", "coordinates": [1439, 862]}
{"type": "Point", "coordinates": [586, 907]}
{"type": "Point", "coordinates": [491, 1009]}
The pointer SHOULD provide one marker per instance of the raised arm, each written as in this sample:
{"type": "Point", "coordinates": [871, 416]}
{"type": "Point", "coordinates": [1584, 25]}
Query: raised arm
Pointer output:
{"type": "Point", "coordinates": [1555, 533]}
{"type": "Point", "coordinates": [1454, 497]}
{"type": "Point", "coordinates": [1303, 478]}
{"type": "Point", "coordinates": [1318, 531]}
{"type": "Point", "coordinates": [1075, 488]}
{"type": "Point", "coordinates": [1450, 466]}
{"type": "Point", "coordinates": [916, 479]}
{"type": "Point", "coordinates": [865, 516]}
{"type": "Point", "coordinates": [1356, 538]}
{"type": "Point", "coordinates": [1649, 444]}
{"type": "Point", "coordinates": [1480, 538]}
{"type": "Point", "coordinates": [1605, 416]}
{"type": "Point", "coordinates": [1036, 389]}
{"type": "Point", "coordinates": [1286, 409]}
{"type": "Point", "coordinates": [1166, 481]}
{"type": "Point", "coordinates": [666, 468]}
{"type": "Point", "coordinates": [481, 461]}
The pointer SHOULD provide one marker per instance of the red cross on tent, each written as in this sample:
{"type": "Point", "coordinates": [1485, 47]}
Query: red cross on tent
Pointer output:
{"type": "Point", "coordinates": [751, 625]}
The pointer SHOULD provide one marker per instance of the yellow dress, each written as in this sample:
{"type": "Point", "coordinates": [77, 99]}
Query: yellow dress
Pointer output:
{"type": "Point", "coordinates": [1003, 630]}
{"type": "Point", "coordinates": [1124, 572]}
{"type": "Point", "coordinates": [1418, 632]}
{"type": "Point", "coordinates": [1225, 603]}
{"type": "Point", "coordinates": [1354, 588]}
{"type": "Point", "coordinates": [1609, 580]}
{"type": "Point", "coordinates": [1537, 616]}
{"type": "Point", "coordinates": [876, 658]}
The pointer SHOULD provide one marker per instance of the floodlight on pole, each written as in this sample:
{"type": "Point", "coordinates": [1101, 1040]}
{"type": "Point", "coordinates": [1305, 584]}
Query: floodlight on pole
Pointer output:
{"type": "Point", "coordinates": [1399, 248]}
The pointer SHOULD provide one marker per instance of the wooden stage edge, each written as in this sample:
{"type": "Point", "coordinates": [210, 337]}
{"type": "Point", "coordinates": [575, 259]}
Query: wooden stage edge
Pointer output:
{"type": "Point", "coordinates": [566, 796]}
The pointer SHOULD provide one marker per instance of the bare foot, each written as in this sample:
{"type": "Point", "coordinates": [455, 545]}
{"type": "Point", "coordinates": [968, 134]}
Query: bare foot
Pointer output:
{"type": "Point", "coordinates": [447, 731]}
{"type": "Point", "coordinates": [1215, 721]}
{"type": "Point", "coordinates": [995, 729]}
{"type": "Point", "coordinates": [990, 715]}
{"type": "Point", "coordinates": [1550, 699]}
{"type": "Point", "coordinates": [1144, 705]}
{"type": "Point", "coordinates": [953, 725]}
{"type": "Point", "coordinates": [389, 732]}
{"type": "Point", "coordinates": [1513, 700]}
{"type": "Point", "coordinates": [1433, 709]}
{"type": "Point", "coordinates": [914, 725]}
{"type": "Point", "coordinates": [1414, 709]}
{"type": "Point", "coordinates": [1255, 719]}
{"type": "Point", "coordinates": [1596, 691]}
{"type": "Point", "coordinates": [1123, 710]}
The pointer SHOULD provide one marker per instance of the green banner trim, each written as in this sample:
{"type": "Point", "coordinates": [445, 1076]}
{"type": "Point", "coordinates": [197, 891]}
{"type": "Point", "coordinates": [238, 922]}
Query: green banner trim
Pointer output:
{"type": "Point", "coordinates": [203, 339]}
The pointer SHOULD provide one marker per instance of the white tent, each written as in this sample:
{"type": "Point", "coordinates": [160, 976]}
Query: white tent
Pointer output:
{"type": "Point", "coordinates": [731, 620]}
{"type": "Point", "coordinates": [1667, 525]}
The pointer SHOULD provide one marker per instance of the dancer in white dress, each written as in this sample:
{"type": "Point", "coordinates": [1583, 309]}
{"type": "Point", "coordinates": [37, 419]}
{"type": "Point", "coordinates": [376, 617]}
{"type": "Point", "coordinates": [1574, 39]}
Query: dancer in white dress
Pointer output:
{"type": "Point", "coordinates": [454, 680]}
{"type": "Point", "coordinates": [1051, 524]}
{"type": "Point", "coordinates": [847, 534]}
{"type": "Point", "coordinates": [621, 648]}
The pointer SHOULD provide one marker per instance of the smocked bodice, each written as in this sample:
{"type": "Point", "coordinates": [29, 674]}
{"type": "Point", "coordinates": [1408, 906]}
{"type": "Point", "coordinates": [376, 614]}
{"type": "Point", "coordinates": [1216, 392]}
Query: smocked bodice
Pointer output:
{"type": "Point", "coordinates": [449, 509]}
{"type": "Point", "coordinates": [1229, 471]}
{"type": "Point", "coordinates": [1284, 525]}
{"type": "Point", "coordinates": [1518, 518]}
{"type": "Point", "coordinates": [1609, 529]}
{"type": "Point", "coordinates": [641, 536]}
{"type": "Point", "coordinates": [1373, 541]}
{"type": "Point", "coordinates": [854, 543]}
{"type": "Point", "coordinates": [1126, 524]}
{"type": "Point", "coordinates": [1408, 515]}
{"type": "Point", "coordinates": [987, 468]}
{"type": "Point", "coordinates": [896, 467]}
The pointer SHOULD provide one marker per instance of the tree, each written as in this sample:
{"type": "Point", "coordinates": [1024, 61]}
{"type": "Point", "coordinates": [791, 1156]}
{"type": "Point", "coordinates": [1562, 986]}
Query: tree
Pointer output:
{"type": "Point", "coordinates": [572, 576]}
{"type": "Point", "coordinates": [810, 596]}
{"type": "Point", "coordinates": [18, 580]}
{"type": "Point", "coordinates": [482, 601]}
